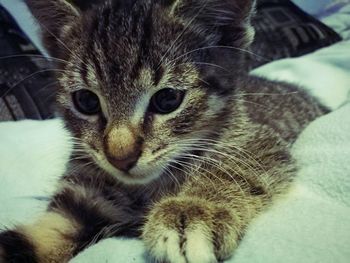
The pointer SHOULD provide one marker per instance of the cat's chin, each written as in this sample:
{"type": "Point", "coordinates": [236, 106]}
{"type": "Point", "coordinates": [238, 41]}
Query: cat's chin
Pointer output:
{"type": "Point", "coordinates": [135, 176]}
{"type": "Point", "coordinates": [135, 179]}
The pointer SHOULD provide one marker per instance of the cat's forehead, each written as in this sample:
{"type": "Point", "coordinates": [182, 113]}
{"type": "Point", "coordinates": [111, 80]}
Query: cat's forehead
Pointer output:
{"type": "Point", "coordinates": [124, 48]}
{"type": "Point", "coordinates": [120, 43]}
{"type": "Point", "coordinates": [126, 54]}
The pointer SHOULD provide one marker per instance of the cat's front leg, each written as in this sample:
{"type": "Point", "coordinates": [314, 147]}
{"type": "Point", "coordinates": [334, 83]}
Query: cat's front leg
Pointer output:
{"type": "Point", "coordinates": [203, 223]}
{"type": "Point", "coordinates": [79, 215]}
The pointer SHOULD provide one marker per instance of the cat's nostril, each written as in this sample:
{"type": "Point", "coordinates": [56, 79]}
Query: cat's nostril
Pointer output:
{"type": "Point", "coordinates": [127, 163]}
{"type": "Point", "coordinates": [139, 141]}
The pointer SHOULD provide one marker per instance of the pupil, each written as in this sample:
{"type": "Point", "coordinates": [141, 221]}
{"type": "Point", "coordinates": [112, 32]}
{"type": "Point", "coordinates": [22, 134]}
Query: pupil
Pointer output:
{"type": "Point", "coordinates": [166, 101]}
{"type": "Point", "coordinates": [87, 102]}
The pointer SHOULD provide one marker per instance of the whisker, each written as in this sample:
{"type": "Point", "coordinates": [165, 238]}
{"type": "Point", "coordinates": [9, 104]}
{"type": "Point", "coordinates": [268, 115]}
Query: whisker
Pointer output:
{"type": "Point", "coordinates": [189, 168]}
{"type": "Point", "coordinates": [61, 42]}
{"type": "Point", "coordinates": [172, 176]}
{"type": "Point", "coordinates": [252, 167]}
{"type": "Point", "coordinates": [228, 147]}
{"type": "Point", "coordinates": [215, 163]}
{"type": "Point", "coordinates": [223, 47]}
{"type": "Point", "coordinates": [267, 94]}
{"type": "Point", "coordinates": [187, 26]}
{"type": "Point", "coordinates": [28, 77]}
{"type": "Point", "coordinates": [207, 64]}
{"type": "Point", "coordinates": [35, 56]}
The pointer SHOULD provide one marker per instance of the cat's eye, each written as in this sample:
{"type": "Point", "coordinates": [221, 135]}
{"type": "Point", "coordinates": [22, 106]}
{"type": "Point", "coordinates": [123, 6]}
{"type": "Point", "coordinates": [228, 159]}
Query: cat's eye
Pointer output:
{"type": "Point", "coordinates": [166, 100]}
{"type": "Point", "coordinates": [86, 102]}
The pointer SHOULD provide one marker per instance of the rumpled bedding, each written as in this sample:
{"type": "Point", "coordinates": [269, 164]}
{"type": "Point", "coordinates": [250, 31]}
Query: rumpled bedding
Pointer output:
{"type": "Point", "coordinates": [311, 224]}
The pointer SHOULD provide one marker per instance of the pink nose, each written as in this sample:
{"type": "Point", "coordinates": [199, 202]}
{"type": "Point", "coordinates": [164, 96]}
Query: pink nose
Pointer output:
{"type": "Point", "coordinates": [126, 163]}
{"type": "Point", "coordinates": [123, 147]}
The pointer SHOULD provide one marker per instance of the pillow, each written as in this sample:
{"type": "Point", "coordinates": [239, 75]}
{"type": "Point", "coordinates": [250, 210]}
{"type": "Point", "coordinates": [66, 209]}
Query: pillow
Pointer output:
{"type": "Point", "coordinates": [284, 30]}
{"type": "Point", "coordinates": [26, 80]}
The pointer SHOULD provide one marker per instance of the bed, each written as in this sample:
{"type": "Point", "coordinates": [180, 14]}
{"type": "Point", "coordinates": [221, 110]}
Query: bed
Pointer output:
{"type": "Point", "coordinates": [311, 224]}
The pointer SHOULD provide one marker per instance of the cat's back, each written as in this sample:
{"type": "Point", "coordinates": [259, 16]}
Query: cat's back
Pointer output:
{"type": "Point", "coordinates": [285, 108]}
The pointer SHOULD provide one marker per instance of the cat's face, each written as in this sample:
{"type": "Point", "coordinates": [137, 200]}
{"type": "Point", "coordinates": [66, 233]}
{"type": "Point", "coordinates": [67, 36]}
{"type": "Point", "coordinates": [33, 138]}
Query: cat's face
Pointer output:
{"type": "Point", "coordinates": [141, 88]}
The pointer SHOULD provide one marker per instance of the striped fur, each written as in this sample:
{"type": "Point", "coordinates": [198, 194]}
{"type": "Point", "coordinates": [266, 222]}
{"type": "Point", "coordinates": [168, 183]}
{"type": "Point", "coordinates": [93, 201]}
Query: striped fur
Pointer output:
{"type": "Point", "coordinates": [204, 171]}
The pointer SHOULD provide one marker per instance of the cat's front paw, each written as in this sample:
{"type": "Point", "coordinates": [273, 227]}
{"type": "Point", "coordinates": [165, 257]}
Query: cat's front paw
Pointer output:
{"type": "Point", "coordinates": [186, 230]}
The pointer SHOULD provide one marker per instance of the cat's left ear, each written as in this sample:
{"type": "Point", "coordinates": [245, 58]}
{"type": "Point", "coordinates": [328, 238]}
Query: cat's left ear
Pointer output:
{"type": "Point", "coordinates": [226, 22]}
{"type": "Point", "coordinates": [54, 17]}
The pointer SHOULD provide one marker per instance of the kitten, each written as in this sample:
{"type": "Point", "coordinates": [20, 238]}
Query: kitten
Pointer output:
{"type": "Point", "coordinates": [173, 143]}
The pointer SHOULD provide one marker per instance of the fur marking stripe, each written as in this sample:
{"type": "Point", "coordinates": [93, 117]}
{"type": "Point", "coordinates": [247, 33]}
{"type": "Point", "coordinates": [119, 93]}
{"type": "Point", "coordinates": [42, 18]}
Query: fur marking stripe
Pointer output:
{"type": "Point", "coordinates": [17, 248]}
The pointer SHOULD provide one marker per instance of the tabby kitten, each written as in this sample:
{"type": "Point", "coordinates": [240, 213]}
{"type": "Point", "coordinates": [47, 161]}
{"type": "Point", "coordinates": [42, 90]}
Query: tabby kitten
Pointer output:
{"type": "Point", "coordinates": [172, 142]}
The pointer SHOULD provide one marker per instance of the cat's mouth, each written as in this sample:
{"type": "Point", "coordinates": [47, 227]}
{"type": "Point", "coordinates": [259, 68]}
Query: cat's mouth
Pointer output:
{"type": "Point", "coordinates": [136, 177]}
{"type": "Point", "coordinates": [140, 174]}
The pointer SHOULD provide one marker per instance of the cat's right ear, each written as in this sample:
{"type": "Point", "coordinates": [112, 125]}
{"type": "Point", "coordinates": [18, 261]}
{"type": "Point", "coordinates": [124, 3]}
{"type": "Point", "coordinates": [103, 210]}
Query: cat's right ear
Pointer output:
{"type": "Point", "coordinates": [54, 17]}
{"type": "Point", "coordinates": [224, 22]}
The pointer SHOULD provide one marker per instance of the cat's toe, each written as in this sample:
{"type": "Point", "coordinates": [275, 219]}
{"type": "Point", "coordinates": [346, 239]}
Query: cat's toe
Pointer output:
{"type": "Point", "coordinates": [199, 247]}
{"type": "Point", "coordinates": [190, 247]}
{"type": "Point", "coordinates": [168, 248]}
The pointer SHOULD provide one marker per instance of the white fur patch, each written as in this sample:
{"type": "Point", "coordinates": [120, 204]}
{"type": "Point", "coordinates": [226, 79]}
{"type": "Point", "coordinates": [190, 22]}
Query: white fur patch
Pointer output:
{"type": "Point", "coordinates": [197, 247]}
{"type": "Point", "coordinates": [168, 248]}
{"type": "Point", "coordinates": [140, 109]}
{"type": "Point", "coordinates": [215, 104]}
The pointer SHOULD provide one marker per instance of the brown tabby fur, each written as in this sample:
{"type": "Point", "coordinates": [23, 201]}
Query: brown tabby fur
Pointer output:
{"type": "Point", "coordinates": [205, 171]}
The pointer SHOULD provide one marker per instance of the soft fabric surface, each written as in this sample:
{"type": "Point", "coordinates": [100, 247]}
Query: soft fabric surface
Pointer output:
{"type": "Point", "coordinates": [33, 156]}
{"type": "Point", "coordinates": [324, 73]}
{"type": "Point", "coordinates": [311, 225]}
{"type": "Point", "coordinates": [340, 20]}
{"type": "Point", "coordinates": [25, 20]}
